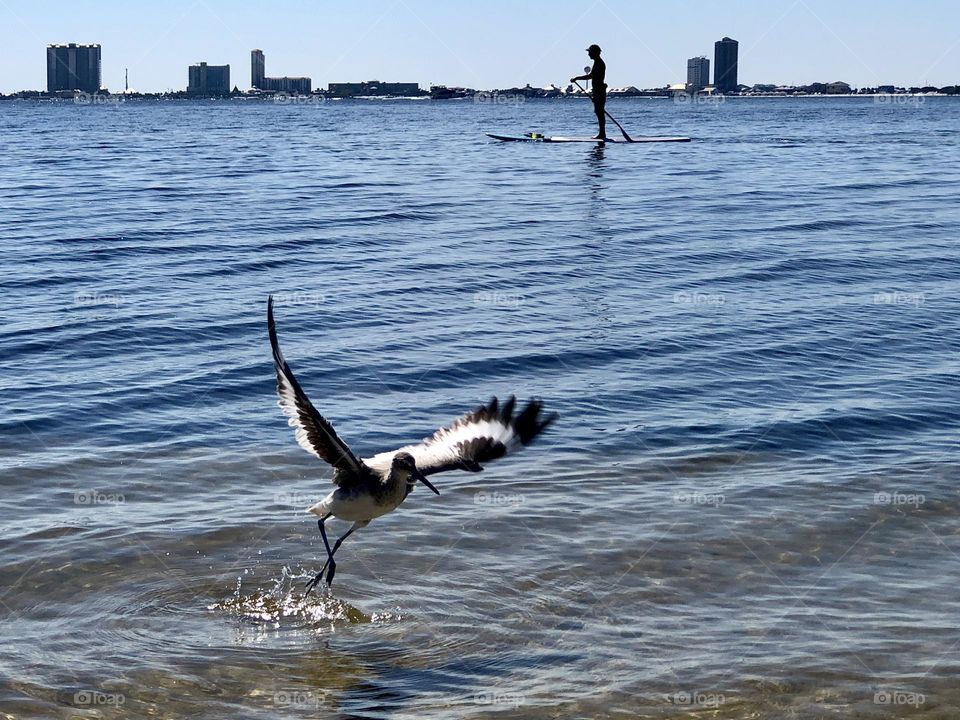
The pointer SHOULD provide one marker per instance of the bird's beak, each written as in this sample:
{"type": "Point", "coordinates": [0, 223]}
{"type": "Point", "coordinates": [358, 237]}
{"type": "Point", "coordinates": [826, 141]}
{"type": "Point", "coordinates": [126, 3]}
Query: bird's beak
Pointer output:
{"type": "Point", "coordinates": [423, 478]}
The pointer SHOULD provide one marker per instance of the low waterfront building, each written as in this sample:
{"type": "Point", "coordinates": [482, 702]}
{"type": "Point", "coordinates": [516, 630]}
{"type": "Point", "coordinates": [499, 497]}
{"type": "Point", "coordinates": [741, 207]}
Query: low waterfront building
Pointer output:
{"type": "Point", "coordinates": [373, 88]}
{"type": "Point", "coordinates": [294, 85]}
{"type": "Point", "coordinates": [838, 88]}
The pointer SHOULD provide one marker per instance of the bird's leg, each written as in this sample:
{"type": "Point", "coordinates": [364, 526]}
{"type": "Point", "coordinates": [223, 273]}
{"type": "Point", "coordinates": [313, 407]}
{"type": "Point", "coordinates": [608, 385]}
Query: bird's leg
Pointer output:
{"type": "Point", "coordinates": [336, 546]}
{"type": "Point", "coordinates": [323, 533]}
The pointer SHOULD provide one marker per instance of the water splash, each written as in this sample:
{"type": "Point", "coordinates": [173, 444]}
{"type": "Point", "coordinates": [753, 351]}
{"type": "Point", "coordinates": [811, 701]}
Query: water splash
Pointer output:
{"type": "Point", "coordinates": [284, 603]}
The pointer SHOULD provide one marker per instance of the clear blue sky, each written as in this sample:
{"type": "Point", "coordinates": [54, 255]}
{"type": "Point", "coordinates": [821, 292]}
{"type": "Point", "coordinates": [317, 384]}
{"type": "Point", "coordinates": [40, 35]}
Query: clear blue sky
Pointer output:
{"type": "Point", "coordinates": [488, 44]}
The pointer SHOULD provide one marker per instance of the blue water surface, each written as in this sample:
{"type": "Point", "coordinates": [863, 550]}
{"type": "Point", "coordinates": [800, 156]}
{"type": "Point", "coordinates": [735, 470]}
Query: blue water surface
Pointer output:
{"type": "Point", "coordinates": [750, 500]}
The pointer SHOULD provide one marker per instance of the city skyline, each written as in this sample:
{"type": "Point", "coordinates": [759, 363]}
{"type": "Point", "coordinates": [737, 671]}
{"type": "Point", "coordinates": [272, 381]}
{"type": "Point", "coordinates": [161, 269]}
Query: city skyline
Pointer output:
{"type": "Point", "coordinates": [426, 42]}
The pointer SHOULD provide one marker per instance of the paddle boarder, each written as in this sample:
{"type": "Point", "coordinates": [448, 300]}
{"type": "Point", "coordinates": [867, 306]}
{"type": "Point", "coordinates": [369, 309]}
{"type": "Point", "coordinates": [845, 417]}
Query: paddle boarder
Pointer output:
{"type": "Point", "coordinates": [597, 75]}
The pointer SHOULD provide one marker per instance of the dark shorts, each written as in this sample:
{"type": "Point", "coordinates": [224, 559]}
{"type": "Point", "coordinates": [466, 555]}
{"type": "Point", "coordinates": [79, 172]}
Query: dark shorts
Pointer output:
{"type": "Point", "coordinates": [600, 97]}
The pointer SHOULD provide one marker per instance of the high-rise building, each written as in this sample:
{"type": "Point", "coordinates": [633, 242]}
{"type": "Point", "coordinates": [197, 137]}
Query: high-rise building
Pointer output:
{"type": "Point", "coordinates": [209, 79]}
{"type": "Point", "coordinates": [258, 69]}
{"type": "Point", "coordinates": [725, 65]}
{"type": "Point", "coordinates": [73, 67]}
{"type": "Point", "coordinates": [259, 81]}
{"type": "Point", "coordinates": [698, 74]}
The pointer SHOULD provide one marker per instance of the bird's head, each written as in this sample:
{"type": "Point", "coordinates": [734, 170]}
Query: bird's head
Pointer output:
{"type": "Point", "coordinates": [405, 467]}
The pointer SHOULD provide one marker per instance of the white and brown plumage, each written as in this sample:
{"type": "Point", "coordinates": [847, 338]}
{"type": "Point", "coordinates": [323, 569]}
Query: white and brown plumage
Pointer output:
{"type": "Point", "coordinates": [369, 488]}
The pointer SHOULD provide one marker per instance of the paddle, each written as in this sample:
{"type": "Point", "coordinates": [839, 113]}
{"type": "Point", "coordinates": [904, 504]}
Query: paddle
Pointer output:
{"type": "Point", "coordinates": [625, 136]}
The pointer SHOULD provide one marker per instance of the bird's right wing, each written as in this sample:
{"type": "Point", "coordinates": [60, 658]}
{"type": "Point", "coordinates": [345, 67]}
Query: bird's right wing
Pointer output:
{"type": "Point", "coordinates": [314, 433]}
{"type": "Point", "coordinates": [489, 432]}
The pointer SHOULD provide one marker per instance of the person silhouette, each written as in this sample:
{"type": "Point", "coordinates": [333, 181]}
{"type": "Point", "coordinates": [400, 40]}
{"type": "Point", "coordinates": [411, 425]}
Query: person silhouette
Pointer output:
{"type": "Point", "coordinates": [597, 76]}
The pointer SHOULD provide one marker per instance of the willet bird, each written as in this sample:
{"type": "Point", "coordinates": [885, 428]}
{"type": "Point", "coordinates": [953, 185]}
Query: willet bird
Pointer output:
{"type": "Point", "coordinates": [371, 487]}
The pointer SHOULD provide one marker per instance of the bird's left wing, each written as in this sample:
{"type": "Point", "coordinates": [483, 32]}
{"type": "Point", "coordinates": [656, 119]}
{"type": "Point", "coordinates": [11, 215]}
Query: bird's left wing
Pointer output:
{"type": "Point", "coordinates": [489, 432]}
{"type": "Point", "coordinates": [314, 433]}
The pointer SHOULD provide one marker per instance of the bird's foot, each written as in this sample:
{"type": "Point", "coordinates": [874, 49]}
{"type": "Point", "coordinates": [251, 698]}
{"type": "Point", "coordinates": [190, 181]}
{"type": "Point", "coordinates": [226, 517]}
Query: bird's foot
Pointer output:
{"type": "Point", "coordinates": [313, 583]}
{"type": "Point", "coordinates": [316, 580]}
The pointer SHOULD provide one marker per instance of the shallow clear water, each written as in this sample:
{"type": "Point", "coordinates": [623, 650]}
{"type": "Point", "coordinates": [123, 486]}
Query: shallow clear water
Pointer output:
{"type": "Point", "coordinates": [749, 507]}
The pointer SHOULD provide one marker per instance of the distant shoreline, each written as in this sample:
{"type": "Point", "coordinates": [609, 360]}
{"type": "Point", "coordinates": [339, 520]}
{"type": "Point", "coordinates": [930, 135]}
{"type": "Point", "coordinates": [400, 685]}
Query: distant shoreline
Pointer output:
{"type": "Point", "coordinates": [480, 97]}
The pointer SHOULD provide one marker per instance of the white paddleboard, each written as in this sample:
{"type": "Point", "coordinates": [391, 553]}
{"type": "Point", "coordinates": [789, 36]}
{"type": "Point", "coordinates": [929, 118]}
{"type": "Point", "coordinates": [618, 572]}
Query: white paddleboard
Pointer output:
{"type": "Point", "coordinates": [536, 137]}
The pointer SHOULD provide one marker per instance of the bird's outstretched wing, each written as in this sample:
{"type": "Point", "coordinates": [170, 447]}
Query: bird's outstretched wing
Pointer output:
{"type": "Point", "coordinates": [314, 433]}
{"type": "Point", "coordinates": [489, 432]}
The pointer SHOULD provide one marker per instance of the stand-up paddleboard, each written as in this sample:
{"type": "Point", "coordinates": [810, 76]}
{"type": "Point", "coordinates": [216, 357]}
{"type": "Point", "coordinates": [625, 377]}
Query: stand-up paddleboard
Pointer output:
{"type": "Point", "coordinates": [537, 137]}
